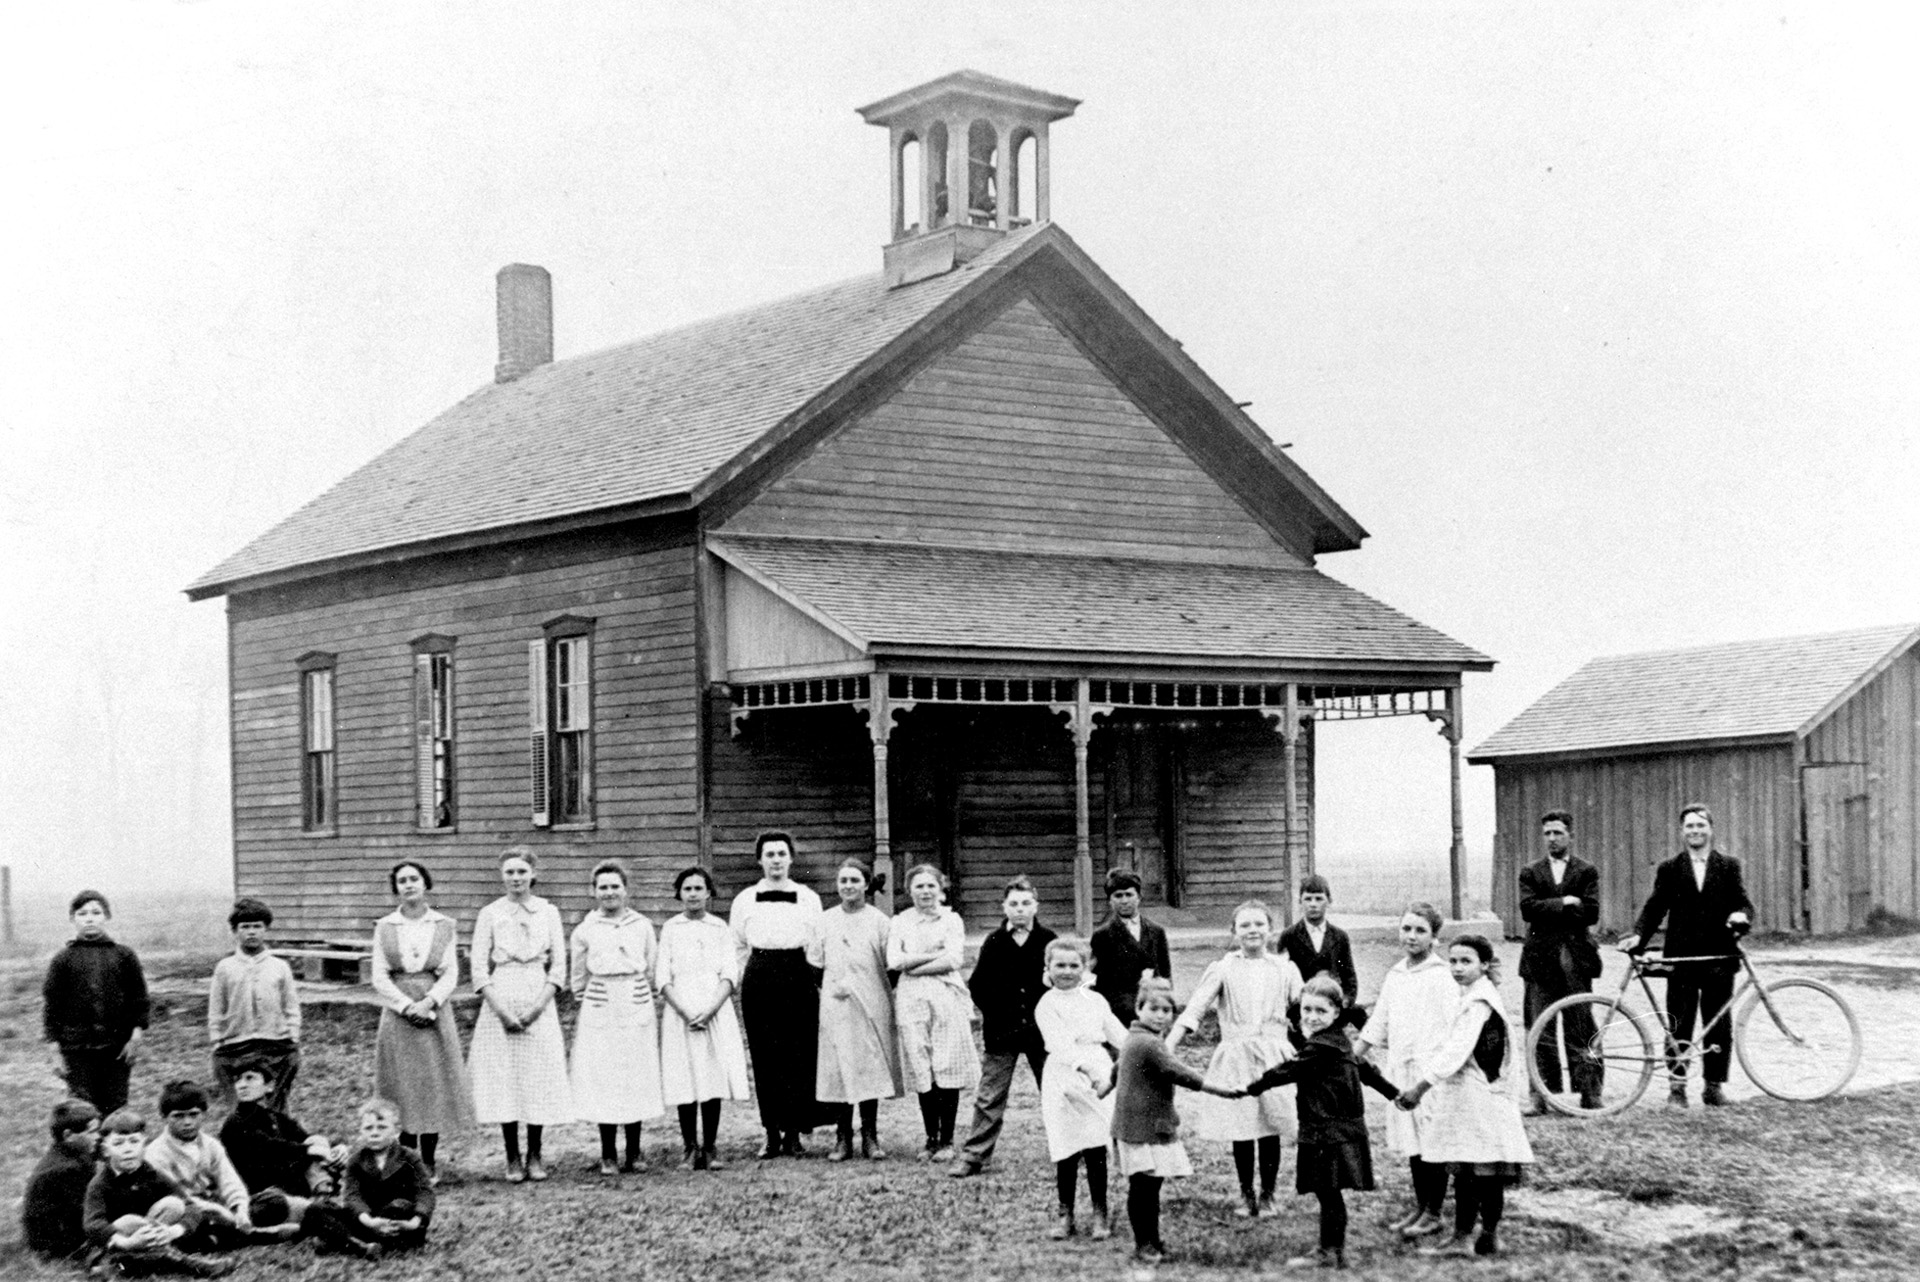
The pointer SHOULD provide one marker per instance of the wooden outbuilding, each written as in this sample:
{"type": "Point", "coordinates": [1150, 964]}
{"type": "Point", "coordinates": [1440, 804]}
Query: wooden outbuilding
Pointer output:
{"type": "Point", "coordinates": [965, 561]}
{"type": "Point", "coordinates": [1806, 749]}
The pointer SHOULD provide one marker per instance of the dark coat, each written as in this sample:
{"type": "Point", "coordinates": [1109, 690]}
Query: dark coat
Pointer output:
{"type": "Point", "coordinates": [112, 1194]}
{"type": "Point", "coordinates": [366, 1189]}
{"type": "Point", "coordinates": [1335, 958]}
{"type": "Point", "coordinates": [268, 1149]}
{"type": "Point", "coordinates": [1143, 1110]}
{"type": "Point", "coordinates": [1553, 924]}
{"type": "Point", "coordinates": [53, 1211]}
{"type": "Point", "coordinates": [1695, 916]}
{"type": "Point", "coordinates": [1007, 982]}
{"type": "Point", "coordinates": [1328, 1078]}
{"type": "Point", "coordinates": [95, 995]}
{"type": "Point", "coordinates": [1119, 960]}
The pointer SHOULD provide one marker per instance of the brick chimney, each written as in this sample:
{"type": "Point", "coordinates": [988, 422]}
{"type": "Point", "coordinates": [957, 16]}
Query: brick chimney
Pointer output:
{"type": "Point", "coordinates": [525, 308]}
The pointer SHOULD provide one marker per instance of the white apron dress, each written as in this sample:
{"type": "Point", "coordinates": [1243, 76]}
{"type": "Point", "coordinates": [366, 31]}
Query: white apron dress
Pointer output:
{"type": "Point", "coordinates": [1251, 995]}
{"type": "Point", "coordinates": [934, 1012]}
{"type": "Point", "coordinates": [858, 1058]}
{"type": "Point", "coordinates": [518, 949]}
{"type": "Point", "coordinates": [1473, 1121]}
{"type": "Point", "coordinates": [616, 1041]}
{"type": "Point", "coordinates": [695, 957]}
{"type": "Point", "coordinates": [1409, 1024]}
{"type": "Point", "coordinates": [1076, 1025]}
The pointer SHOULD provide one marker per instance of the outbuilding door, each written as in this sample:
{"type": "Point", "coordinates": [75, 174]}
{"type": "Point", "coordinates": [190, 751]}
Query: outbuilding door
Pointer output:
{"type": "Point", "coordinates": [1838, 874]}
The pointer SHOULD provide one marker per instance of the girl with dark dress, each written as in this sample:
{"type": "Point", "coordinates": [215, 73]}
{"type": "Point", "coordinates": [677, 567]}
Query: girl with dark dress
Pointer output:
{"type": "Point", "coordinates": [772, 921]}
{"type": "Point", "coordinates": [1334, 1154]}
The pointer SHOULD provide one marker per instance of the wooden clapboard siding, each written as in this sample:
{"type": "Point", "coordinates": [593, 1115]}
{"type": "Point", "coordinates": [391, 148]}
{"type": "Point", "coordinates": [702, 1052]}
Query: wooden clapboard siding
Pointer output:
{"type": "Point", "coordinates": [635, 582]}
{"type": "Point", "coordinates": [1013, 439]}
{"type": "Point", "coordinates": [1236, 812]}
{"type": "Point", "coordinates": [804, 771]}
{"type": "Point", "coordinates": [1626, 813]}
{"type": "Point", "coordinates": [1877, 729]}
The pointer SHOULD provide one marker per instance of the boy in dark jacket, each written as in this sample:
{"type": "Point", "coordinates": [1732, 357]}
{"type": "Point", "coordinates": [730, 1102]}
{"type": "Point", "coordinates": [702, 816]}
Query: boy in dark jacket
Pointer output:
{"type": "Point", "coordinates": [1334, 1153]}
{"type": "Point", "coordinates": [95, 1006]}
{"type": "Point", "coordinates": [136, 1219]}
{"type": "Point", "coordinates": [50, 1213]}
{"type": "Point", "coordinates": [1316, 946]}
{"type": "Point", "coordinates": [1127, 946]}
{"type": "Point", "coordinates": [282, 1165]}
{"type": "Point", "coordinates": [386, 1196]}
{"type": "Point", "coordinates": [1006, 984]}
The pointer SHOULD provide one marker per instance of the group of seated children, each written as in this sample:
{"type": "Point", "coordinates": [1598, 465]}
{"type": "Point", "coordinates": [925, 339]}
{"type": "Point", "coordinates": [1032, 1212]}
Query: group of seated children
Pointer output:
{"type": "Point", "coordinates": [106, 1194]}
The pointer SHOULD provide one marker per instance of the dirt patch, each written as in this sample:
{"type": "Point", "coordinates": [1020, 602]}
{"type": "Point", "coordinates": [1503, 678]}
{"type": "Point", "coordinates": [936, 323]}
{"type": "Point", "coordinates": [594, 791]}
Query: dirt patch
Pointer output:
{"type": "Point", "coordinates": [1650, 1218]}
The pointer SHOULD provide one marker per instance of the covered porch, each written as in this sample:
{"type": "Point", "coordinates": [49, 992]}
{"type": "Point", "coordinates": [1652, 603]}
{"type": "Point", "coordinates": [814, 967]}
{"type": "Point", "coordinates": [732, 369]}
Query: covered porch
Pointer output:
{"type": "Point", "coordinates": [999, 713]}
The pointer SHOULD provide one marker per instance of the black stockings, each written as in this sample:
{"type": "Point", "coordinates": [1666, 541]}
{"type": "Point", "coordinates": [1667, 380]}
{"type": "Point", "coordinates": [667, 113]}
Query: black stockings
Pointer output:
{"type": "Point", "coordinates": [426, 1145]}
{"type": "Point", "coordinates": [1430, 1185]}
{"type": "Point", "coordinates": [607, 1133]}
{"type": "Point", "coordinates": [1269, 1150]}
{"type": "Point", "coordinates": [939, 1108]}
{"type": "Point", "coordinates": [709, 1119]}
{"type": "Point", "coordinates": [869, 1118]}
{"type": "Point", "coordinates": [510, 1134]}
{"type": "Point", "coordinates": [1066, 1168]}
{"type": "Point", "coordinates": [1333, 1220]}
{"type": "Point", "coordinates": [1481, 1195]}
{"type": "Point", "coordinates": [1143, 1210]}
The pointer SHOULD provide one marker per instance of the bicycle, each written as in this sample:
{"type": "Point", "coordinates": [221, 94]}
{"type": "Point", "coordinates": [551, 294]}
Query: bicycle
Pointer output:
{"type": "Point", "coordinates": [1805, 1048]}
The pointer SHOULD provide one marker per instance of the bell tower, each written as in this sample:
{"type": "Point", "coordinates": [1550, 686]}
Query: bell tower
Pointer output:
{"type": "Point", "coordinates": [957, 148]}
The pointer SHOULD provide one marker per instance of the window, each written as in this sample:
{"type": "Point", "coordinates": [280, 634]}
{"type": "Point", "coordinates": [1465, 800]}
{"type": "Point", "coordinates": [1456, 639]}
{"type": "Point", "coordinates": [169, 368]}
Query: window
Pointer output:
{"type": "Point", "coordinates": [317, 779]}
{"type": "Point", "coordinates": [433, 733]}
{"type": "Point", "coordinates": [560, 707]}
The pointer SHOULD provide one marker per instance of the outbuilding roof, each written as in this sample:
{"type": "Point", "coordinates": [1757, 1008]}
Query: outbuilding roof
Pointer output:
{"type": "Point", "coordinates": [919, 596]}
{"type": "Point", "coordinates": [1778, 687]}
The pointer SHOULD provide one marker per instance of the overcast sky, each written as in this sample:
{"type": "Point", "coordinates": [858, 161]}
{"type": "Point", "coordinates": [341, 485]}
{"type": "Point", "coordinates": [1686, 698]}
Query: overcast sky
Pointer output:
{"type": "Point", "coordinates": [1601, 318]}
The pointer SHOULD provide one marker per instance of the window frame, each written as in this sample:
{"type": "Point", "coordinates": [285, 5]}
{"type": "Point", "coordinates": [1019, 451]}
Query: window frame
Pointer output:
{"type": "Point", "coordinates": [560, 696]}
{"type": "Point", "coordinates": [319, 688]}
{"type": "Point", "coordinates": [436, 780]}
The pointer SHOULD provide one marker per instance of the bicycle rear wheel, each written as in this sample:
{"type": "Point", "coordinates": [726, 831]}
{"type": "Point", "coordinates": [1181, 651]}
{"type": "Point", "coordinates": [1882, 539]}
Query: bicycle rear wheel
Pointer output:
{"type": "Point", "coordinates": [1800, 1043]}
{"type": "Point", "coordinates": [1604, 1046]}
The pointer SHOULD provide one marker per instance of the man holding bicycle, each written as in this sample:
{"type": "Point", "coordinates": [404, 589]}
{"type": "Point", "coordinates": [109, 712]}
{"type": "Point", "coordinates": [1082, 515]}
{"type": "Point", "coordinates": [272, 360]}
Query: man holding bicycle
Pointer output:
{"type": "Point", "coordinates": [1560, 902]}
{"type": "Point", "coordinates": [1700, 895]}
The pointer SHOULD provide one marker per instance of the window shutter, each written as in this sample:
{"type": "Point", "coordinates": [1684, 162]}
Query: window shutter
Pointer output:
{"type": "Point", "coordinates": [537, 731]}
{"type": "Point", "coordinates": [582, 684]}
{"type": "Point", "coordinates": [423, 740]}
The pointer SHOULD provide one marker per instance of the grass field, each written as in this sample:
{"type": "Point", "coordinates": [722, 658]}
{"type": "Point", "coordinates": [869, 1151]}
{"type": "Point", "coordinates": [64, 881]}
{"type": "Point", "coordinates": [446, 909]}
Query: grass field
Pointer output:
{"type": "Point", "coordinates": [1760, 1190]}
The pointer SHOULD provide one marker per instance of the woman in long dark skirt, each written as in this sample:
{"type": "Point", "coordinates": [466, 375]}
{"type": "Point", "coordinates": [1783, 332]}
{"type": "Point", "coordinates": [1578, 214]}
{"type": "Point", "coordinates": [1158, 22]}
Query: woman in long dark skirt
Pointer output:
{"type": "Point", "coordinates": [772, 922]}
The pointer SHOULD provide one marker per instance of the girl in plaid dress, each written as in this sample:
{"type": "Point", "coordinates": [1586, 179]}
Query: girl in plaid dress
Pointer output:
{"type": "Point", "coordinates": [932, 1007]}
{"type": "Point", "coordinates": [518, 1059]}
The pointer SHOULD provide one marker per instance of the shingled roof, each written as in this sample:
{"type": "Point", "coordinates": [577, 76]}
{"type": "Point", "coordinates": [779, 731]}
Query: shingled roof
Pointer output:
{"type": "Point", "coordinates": [648, 420]}
{"type": "Point", "coordinates": [1779, 687]}
{"type": "Point", "coordinates": [910, 596]}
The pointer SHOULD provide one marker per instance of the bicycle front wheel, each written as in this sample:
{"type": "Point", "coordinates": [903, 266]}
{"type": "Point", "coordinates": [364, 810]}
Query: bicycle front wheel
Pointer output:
{"type": "Point", "coordinates": [1604, 1051]}
{"type": "Point", "coordinates": [1798, 1039]}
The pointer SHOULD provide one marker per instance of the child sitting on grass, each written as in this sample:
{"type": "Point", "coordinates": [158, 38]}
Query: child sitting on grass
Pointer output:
{"type": "Point", "coordinates": [51, 1211]}
{"type": "Point", "coordinates": [1146, 1129]}
{"type": "Point", "coordinates": [136, 1219]}
{"type": "Point", "coordinates": [282, 1165]}
{"type": "Point", "coordinates": [1076, 1025]}
{"type": "Point", "coordinates": [1334, 1153]}
{"type": "Point", "coordinates": [199, 1166]}
{"type": "Point", "coordinates": [386, 1191]}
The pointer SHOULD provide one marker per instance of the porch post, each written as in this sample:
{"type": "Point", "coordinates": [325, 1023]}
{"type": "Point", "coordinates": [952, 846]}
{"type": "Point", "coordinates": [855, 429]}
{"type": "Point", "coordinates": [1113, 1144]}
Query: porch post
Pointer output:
{"type": "Point", "coordinates": [1082, 826]}
{"type": "Point", "coordinates": [1290, 758]}
{"type": "Point", "coordinates": [880, 727]}
{"type": "Point", "coordinates": [1457, 860]}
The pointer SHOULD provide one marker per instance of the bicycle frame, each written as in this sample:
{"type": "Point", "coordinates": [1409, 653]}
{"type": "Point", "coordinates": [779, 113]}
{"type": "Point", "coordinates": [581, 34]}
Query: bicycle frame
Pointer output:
{"type": "Point", "coordinates": [1644, 965]}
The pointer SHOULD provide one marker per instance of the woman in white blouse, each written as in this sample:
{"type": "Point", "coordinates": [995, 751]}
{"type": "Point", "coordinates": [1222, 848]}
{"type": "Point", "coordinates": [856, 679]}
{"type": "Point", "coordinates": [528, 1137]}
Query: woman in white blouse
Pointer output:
{"type": "Point", "coordinates": [773, 920]}
{"type": "Point", "coordinates": [518, 1060]}
{"type": "Point", "coordinates": [616, 1044]}
{"type": "Point", "coordinates": [702, 1060]}
{"type": "Point", "coordinates": [416, 1058]}
{"type": "Point", "coordinates": [932, 1008]}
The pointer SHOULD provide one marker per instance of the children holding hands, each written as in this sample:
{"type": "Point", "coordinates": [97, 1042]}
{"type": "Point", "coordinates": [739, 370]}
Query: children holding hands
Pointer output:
{"type": "Point", "coordinates": [1146, 1129]}
{"type": "Point", "coordinates": [1252, 990]}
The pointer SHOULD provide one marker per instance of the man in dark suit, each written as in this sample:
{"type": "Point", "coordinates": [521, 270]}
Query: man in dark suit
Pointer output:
{"type": "Point", "coordinates": [1560, 902]}
{"type": "Point", "coordinates": [1700, 895]}
{"type": "Point", "coordinates": [1127, 946]}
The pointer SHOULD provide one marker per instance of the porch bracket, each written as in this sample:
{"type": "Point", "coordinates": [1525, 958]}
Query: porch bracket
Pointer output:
{"type": "Point", "coordinates": [1450, 728]}
{"type": "Point", "coordinates": [881, 712]}
{"type": "Point", "coordinates": [1080, 714]}
{"type": "Point", "coordinates": [1294, 863]}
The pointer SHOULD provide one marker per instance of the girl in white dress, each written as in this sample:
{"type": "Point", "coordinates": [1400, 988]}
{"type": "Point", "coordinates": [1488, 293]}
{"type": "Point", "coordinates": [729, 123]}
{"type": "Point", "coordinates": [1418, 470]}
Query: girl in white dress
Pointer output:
{"type": "Point", "coordinates": [932, 1007]}
{"type": "Point", "coordinates": [416, 1059]}
{"type": "Point", "coordinates": [1077, 1026]}
{"type": "Point", "coordinates": [518, 1059]}
{"type": "Point", "coordinates": [1409, 1022]}
{"type": "Point", "coordinates": [858, 1062]}
{"type": "Point", "coordinates": [1252, 990]}
{"type": "Point", "coordinates": [702, 1059]}
{"type": "Point", "coordinates": [616, 1042]}
{"type": "Point", "coordinates": [1475, 1125]}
